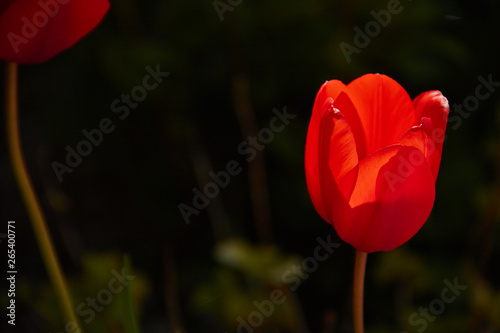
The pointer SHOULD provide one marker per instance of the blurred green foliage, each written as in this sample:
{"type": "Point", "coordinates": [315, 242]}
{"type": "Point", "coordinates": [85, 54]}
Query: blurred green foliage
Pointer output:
{"type": "Point", "coordinates": [203, 276]}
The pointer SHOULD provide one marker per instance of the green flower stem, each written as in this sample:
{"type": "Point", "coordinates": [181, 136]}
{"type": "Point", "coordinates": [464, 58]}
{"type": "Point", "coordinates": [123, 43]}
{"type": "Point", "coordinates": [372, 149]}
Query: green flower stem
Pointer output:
{"type": "Point", "coordinates": [129, 315]}
{"type": "Point", "coordinates": [358, 290]}
{"type": "Point", "coordinates": [28, 194]}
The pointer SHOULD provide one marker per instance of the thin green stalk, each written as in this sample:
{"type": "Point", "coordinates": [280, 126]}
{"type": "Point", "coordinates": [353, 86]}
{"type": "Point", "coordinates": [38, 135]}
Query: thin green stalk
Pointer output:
{"type": "Point", "coordinates": [358, 290]}
{"type": "Point", "coordinates": [28, 194]}
{"type": "Point", "coordinates": [129, 315]}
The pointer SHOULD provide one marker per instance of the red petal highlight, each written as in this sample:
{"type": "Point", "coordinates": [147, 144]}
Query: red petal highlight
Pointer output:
{"type": "Point", "coordinates": [34, 31]}
{"type": "Point", "coordinates": [392, 199]}
{"type": "Point", "coordinates": [384, 108]}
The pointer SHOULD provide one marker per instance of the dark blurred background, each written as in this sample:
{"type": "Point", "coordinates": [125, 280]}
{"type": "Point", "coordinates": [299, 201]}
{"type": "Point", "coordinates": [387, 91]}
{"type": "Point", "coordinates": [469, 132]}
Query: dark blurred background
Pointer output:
{"type": "Point", "coordinates": [230, 64]}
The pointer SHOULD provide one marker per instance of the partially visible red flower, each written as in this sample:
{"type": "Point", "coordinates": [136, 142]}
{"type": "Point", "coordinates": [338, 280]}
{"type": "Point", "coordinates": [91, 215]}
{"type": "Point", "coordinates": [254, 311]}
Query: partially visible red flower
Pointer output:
{"type": "Point", "coordinates": [33, 31]}
{"type": "Point", "coordinates": [372, 159]}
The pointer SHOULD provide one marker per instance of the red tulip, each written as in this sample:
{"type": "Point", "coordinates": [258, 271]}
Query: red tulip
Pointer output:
{"type": "Point", "coordinates": [372, 158]}
{"type": "Point", "coordinates": [34, 31]}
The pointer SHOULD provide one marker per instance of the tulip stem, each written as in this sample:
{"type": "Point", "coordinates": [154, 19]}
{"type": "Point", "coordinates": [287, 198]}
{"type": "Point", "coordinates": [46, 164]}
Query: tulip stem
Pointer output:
{"type": "Point", "coordinates": [358, 290]}
{"type": "Point", "coordinates": [30, 199]}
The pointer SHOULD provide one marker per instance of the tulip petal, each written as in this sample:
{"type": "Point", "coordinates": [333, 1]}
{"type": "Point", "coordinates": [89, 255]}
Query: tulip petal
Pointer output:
{"type": "Point", "coordinates": [332, 88]}
{"type": "Point", "coordinates": [419, 137]}
{"type": "Point", "coordinates": [433, 105]}
{"type": "Point", "coordinates": [32, 33]}
{"type": "Point", "coordinates": [385, 110]}
{"type": "Point", "coordinates": [345, 105]}
{"type": "Point", "coordinates": [342, 154]}
{"type": "Point", "coordinates": [329, 89]}
{"type": "Point", "coordinates": [318, 177]}
{"type": "Point", "coordinates": [391, 200]}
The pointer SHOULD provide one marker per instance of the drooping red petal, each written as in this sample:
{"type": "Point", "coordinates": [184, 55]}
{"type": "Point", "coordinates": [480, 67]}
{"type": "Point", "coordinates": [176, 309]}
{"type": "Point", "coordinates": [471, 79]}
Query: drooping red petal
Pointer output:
{"type": "Point", "coordinates": [329, 89]}
{"type": "Point", "coordinates": [342, 154]}
{"type": "Point", "coordinates": [35, 31]}
{"type": "Point", "coordinates": [433, 105]}
{"type": "Point", "coordinates": [319, 178]}
{"type": "Point", "coordinates": [344, 104]}
{"type": "Point", "coordinates": [384, 108]}
{"type": "Point", "coordinates": [391, 200]}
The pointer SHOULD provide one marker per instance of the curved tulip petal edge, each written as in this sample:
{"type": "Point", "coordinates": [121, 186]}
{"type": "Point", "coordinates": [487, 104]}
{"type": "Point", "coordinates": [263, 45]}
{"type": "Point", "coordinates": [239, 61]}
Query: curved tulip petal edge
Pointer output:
{"type": "Point", "coordinates": [372, 158]}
